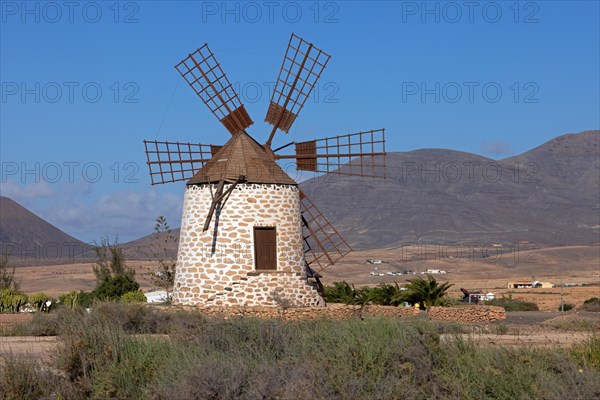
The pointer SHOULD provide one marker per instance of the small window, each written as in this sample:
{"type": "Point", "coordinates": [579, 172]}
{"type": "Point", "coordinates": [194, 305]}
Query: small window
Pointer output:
{"type": "Point", "coordinates": [265, 248]}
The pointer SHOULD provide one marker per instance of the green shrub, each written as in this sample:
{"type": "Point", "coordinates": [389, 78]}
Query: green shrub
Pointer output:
{"type": "Point", "coordinates": [583, 324]}
{"type": "Point", "coordinates": [38, 301]}
{"type": "Point", "coordinates": [500, 329]}
{"type": "Point", "coordinates": [339, 292]}
{"type": "Point", "coordinates": [134, 297]}
{"type": "Point", "coordinates": [565, 307]}
{"type": "Point", "coordinates": [426, 292]}
{"type": "Point", "coordinates": [76, 299]}
{"type": "Point", "coordinates": [7, 274]}
{"type": "Point", "coordinates": [592, 304]}
{"type": "Point", "coordinates": [11, 300]}
{"type": "Point", "coordinates": [511, 304]}
{"type": "Point", "coordinates": [588, 353]}
{"type": "Point", "coordinates": [114, 287]}
{"type": "Point", "coordinates": [384, 294]}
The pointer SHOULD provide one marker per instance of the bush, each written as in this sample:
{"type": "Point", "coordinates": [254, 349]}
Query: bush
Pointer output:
{"type": "Point", "coordinates": [7, 274]}
{"type": "Point", "coordinates": [113, 277]}
{"type": "Point", "coordinates": [202, 358]}
{"type": "Point", "coordinates": [76, 299]}
{"type": "Point", "coordinates": [23, 379]}
{"type": "Point", "coordinates": [339, 292]}
{"type": "Point", "coordinates": [511, 304]}
{"type": "Point", "coordinates": [11, 300]}
{"type": "Point", "coordinates": [384, 294]}
{"type": "Point", "coordinates": [592, 304]}
{"type": "Point", "coordinates": [114, 287]}
{"type": "Point", "coordinates": [565, 307]}
{"type": "Point", "coordinates": [134, 297]}
{"type": "Point", "coordinates": [426, 292]}
{"type": "Point", "coordinates": [588, 353]}
{"type": "Point", "coordinates": [38, 301]}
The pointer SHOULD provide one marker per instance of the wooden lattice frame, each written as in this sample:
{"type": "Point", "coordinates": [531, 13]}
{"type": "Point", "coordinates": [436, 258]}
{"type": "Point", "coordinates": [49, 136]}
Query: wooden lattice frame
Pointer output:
{"type": "Point", "coordinates": [323, 245]}
{"type": "Point", "coordinates": [175, 161]}
{"type": "Point", "coordinates": [206, 77]}
{"type": "Point", "coordinates": [357, 154]}
{"type": "Point", "coordinates": [302, 67]}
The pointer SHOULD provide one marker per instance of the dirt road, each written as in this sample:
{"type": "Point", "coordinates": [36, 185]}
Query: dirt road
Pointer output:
{"type": "Point", "coordinates": [32, 346]}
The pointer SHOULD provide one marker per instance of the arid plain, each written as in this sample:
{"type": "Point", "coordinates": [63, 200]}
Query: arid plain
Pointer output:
{"type": "Point", "coordinates": [465, 268]}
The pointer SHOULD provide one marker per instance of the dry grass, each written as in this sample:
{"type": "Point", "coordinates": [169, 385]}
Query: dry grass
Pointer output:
{"type": "Point", "coordinates": [136, 352]}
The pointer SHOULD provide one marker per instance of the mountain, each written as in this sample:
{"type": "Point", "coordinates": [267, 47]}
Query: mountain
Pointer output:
{"type": "Point", "coordinates": [549, 196]}
{"type": "Point", "coordinates": [146, 246]}
{"type": "Point", "coordinates": [27, 238]}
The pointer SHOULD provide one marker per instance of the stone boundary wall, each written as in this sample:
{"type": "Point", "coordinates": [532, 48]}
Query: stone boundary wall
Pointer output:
{"type": "Point", "coordinates": [332, 311]}
{"type": "Point", "coordinates": [463, 314]}
{"type": "Point", "coordinates": [467, 313]}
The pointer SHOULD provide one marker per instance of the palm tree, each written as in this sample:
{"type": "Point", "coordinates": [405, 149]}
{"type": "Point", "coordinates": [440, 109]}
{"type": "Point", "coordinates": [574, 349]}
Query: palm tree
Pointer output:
{"type": "Point", "coordinates": [340, 292]}
{"type": "Point", "coordinates": [426, 292]}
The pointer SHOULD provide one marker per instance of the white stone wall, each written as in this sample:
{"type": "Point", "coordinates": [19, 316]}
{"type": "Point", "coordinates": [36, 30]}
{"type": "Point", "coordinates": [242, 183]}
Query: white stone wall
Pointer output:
{"type": "Point", "coordinates": [217, 267]}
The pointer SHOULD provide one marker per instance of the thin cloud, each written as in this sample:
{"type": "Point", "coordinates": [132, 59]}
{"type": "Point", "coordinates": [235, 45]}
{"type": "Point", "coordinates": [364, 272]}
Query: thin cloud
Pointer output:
{"type": "Point", "coordinates": [24, 193]}
{"type": "Point", "coordinates": [126, 214]}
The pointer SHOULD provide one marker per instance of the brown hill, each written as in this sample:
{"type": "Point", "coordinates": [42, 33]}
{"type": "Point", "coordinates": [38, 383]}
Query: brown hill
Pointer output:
{"type": "Point", "coordinates": [28, 239]}
{"type": "Point", "coordinates": [143, 248]}
{"type": "Point", "coordinates": [549, 195]}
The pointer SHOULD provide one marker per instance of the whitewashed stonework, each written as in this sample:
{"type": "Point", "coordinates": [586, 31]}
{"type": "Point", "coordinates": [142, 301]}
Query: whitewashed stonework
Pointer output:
{"type": "Point", "coordinates": [217, 267]}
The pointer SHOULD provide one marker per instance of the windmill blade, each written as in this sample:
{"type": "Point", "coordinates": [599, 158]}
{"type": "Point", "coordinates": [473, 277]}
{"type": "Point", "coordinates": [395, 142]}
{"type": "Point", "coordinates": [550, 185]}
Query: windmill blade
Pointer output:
{"type": "Point", "coordinates": [203, 73]}
{"type": "Point", "coordinates": [355, 154]}
{"type": "Point", "coordinates": [323, 245]}
{"type": "Point", "coordinates": [302, 66]}
{"type": "Point", "coordinates": [175, 161]}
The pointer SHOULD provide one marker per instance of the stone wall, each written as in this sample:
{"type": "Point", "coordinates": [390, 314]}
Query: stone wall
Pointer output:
{"type": "Point", "coordinates": [217, 267]}
{"type": "Point", "coordinates": [463, 314]}
{"type": "Point", "coordinates": [467, 313]}
{"type": "Point", "coordinates": [332, 311]}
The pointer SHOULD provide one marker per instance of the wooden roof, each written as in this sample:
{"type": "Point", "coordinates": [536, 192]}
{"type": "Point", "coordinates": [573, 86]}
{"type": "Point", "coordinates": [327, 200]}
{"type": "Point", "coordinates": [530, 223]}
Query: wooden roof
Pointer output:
{"type": "Point", "coordinates": [241, 156]}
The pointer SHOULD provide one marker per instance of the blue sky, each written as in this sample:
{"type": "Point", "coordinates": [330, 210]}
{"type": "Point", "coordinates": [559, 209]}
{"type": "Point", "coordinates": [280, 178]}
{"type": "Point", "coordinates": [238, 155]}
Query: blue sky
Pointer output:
{"type": "Point", "coordinates": [84, 83]}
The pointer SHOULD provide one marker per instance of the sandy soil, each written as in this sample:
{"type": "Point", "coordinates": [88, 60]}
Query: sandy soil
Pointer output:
{"type": "Point", "coordinates": [32, 346]}
{"type": "Point", "coordinates": [57, 279]}
{"type": "Point", "coordinates": [541, 339]}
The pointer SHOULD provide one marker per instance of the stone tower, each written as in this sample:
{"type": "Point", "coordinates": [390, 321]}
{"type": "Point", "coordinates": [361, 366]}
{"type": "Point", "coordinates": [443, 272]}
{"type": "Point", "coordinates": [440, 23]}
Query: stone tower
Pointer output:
{"type": "Point", "coordinates": [252, 252]}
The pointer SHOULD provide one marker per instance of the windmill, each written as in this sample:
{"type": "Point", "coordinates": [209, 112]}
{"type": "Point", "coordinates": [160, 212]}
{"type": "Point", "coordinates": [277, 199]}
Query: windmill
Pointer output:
{"type": "Point", "coordinates": [249, 235]}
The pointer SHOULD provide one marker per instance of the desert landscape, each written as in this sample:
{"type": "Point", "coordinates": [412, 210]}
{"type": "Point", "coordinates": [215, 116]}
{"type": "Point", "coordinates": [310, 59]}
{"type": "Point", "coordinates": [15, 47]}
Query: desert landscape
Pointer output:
{"type": "Point", "coordinates": [567, 264]}
{"type": "Point", "coordinates": [300, 200]}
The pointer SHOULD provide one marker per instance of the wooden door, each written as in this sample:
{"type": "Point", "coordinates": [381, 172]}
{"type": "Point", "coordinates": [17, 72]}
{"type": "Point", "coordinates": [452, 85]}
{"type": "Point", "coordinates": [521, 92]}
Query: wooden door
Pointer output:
{"type": "Point", "coordinates": [265, 248]}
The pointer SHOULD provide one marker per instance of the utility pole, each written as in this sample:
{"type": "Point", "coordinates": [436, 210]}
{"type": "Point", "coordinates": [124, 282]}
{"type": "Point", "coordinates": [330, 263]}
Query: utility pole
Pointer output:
{"type": "Point", "coordinates": [562, 303]}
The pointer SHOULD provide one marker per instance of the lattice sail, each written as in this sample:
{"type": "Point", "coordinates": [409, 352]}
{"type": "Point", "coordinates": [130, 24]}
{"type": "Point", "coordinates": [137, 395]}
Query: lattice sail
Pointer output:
{"type": "Point", "coordinates": [302, 66]}
{"type": "Point", "coordinates": [358, 154]}
{"type": "Point", "coordinates": [175, 161]}
{"type": "Point", "coordinates": [323, 245]}
{"type": "Point", "coordinates": [204, 75]}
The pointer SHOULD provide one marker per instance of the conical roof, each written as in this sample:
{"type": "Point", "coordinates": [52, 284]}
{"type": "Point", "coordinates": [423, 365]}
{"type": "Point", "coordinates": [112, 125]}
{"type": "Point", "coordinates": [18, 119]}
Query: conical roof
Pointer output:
{"type": "Point", "coordinates": [241, 156]}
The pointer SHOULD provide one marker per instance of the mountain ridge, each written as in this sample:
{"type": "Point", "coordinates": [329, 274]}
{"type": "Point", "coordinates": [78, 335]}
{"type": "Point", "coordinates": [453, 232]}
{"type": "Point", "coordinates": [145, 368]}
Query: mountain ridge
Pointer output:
{"type": "Point", "coordinates": [27, 238]}
{"type": "Point", "coordinates": [547, 195]}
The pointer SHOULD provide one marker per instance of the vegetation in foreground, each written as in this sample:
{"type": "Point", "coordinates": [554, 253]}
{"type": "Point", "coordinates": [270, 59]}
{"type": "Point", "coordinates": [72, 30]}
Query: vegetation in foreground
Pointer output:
{"type": "Point", "coordinates": [122, 351]}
